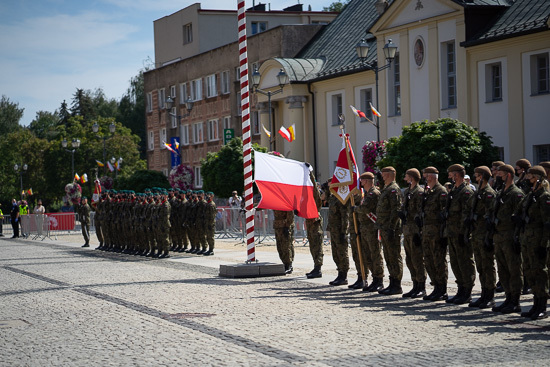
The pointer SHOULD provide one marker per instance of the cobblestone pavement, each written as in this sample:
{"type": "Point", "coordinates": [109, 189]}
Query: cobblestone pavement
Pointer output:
{"type": "Point", "coordinates": [62, 305]}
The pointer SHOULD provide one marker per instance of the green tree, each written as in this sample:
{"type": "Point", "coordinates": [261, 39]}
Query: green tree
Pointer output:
{"type": "Point", "coordinates": [10, 115]}
{"type": "Point", "coordinates": [337, 6]}
{"type": "Point", "coordinates": [439, 143]}
{"type": "Point", "coordinates": [222, 171]}
{"type": "Point", "coordinates": [131, 110]}
{"type": "Point", "coordinates": [142, 179]}
{"type": "Point", "coordinates": [45, 124]}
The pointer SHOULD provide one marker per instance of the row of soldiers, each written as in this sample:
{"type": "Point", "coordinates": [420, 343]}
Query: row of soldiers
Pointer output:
{"type": "Point", "coordinates": [155, 222]}
{"type": "Point", "coordinates": [506, 220]}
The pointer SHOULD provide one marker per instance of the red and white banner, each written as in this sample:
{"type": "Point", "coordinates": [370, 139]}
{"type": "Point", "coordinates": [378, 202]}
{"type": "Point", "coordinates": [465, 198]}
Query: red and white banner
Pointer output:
{"type": "Point", "coordinates": [97, 191]}
{"type": "Point", "coordinates": [284, 185]}
{"type": "Point", "coordinates": [344, 181]}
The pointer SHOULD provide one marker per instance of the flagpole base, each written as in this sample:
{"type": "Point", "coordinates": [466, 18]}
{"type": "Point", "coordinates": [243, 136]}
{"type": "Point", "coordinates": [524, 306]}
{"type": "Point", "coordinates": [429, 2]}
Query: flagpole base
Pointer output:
{"type": "Point", "coordinates": [253, 269]}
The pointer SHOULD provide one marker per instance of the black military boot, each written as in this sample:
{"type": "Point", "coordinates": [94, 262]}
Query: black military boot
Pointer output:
{"type": "Point", "coordinates": [480, 300]}
{"type": "Point", "coordinates": [383, 291]}
{"type": "Point", "coordinates": [499, 288]}
{"type": "Point", "coordinates": [376, 285]}
{"type": "Point", "coordinates": [512, 306]}
{"type": "Point", "coordinates": [540, 312]}
{"type": "Point", "coordinates": [341, 279]}
{"type": "Point", "coordinates": [358, 283]}
{"type": "Point", "coordinates": [412, 291]}
{"type": "Point", "coordinates": [420, 290]}
{"type": "Point", "coordinates": [315, 273]}
{"type": "Point", "coordinates": [456, 296]}
{"type": "Point", "coordinates": [395, 288]}
{"type": "Point", "coordinates": [440, 293]}
{"type": "Point", "coordinates": [533, 308]}
{"type": "Point", "coordinates": [466, 296]}
{"type": "Point", "coordinates": [489, 300]}
{"type": "Point", "coordinates": [428, 297]}
{"type": "Point", "coordinates": [503, 304]}
{"type": "Point", "coordinates": [164, 255]}
{"type": "Point", "coordinates": [288, 269]}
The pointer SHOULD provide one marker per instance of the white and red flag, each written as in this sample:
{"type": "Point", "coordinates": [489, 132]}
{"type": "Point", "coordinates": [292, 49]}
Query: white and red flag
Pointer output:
{"type": "Point", "coordinates": [288, 134]}
{"type": "Point", "coordinates": [345, 178]}
{"type": "Point", "coordinates": [284, 185]}
{"type": "Point", "coordinates": [357, 112]}
{"type": "Point", "coordinates": [97, 191]}
{"type": "Point", "coordinates": [374, 110]}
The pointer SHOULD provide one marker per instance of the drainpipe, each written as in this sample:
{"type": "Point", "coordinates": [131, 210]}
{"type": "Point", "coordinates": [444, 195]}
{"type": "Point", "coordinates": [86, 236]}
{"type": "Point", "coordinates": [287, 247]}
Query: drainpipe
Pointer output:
{"type": "Point", "coordinates": [314, 120]}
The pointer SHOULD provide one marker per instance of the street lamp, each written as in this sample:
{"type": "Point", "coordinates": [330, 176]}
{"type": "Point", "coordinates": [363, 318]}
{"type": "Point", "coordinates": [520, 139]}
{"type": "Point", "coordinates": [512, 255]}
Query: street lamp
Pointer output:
{"type": "Point", "coordinates": [20, 169]}
{"type": "Point", "coordinates": [362, 49]}
{"type": "Point", "coordinates": [188, 104]}
{"type": "Point", "coordinates": [282, 78]}
{"type": "Point", "coordinates": [75, 144]}
{"type": "Point", "coordinates": [117, 166]}
{"type": "Point", "coordinates": [95, 129]}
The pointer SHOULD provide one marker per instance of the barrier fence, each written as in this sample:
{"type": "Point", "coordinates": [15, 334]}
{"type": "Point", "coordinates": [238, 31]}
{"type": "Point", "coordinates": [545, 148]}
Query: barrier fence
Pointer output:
{"type": "Point", "coordinates": [230, 224]}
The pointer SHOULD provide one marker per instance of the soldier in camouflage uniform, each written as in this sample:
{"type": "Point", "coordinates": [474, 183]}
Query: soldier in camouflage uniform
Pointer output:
{"type": "Point", "coordinates": [210, 222]}
{"type": "Point", "coordinates": [434, 247]}
{"type": "Point", "coordinates": [353, 236]}
{"type": "Point", "coordinates": [163, 227]}
{"type": "Point", "coordinates": [182, 227]}
{"type": "Point", "coordinates": [370, 245]}
{"type": "Point", "coordinates": [338, 221]}
{"type": "Point", "coordinates": [534, 221]}
{"type": "Point", "coordinates": [172, 200]}
{"type": "Point", "coordinates": [97, 223]}
{"type": "Point", "coordinates": [200, 223]}
{"type": "Point", "coordinates": [150, 213]}
{"type": "Point", "coordinates": [461, 253]}
{"type": "Point", "coordinates": [283, 224]}
{"type": "Point", "coordinates": [84, 218]}
{"type": "Point", "coordinates": [546, 166]}
{"type": "Point", "coordinates": [389, 224]}
{"type": "Point", "coordinates": [522, 166]}
{"type": "Point", "coordinates": [412, 242]}
{"type": "Point", "coordinates": [507, 250]}
{"type": "Point", "coordinates": [191, 217]}
{"type": "Point", "coordinates": [314, 227]}
{"type": "Point", "coordinates": [480, 204]}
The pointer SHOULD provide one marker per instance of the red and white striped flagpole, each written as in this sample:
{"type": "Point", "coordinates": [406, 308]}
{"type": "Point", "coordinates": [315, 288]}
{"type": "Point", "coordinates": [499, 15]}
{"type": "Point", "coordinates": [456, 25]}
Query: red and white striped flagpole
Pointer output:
{"type": "Point", "coordinates": [247, 144]}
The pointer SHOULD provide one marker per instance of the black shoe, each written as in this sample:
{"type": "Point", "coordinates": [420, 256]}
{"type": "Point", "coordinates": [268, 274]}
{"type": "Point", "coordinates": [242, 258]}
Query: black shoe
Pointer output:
{"type": "Point", "coordinates": [540, 312]}
{"type": "Point", "coordinates": [376, 285]}
{"type": "Point", "coordinates": [341, 279]}
{"type": "Point", "coordinates": [85, 245]}
{"type": "Point", "coordinates": [499, 288]}
{"type": "Point", "coordinates": [502, 305]}
{"type": "Point", "coordinates": [439, 293]}
{"type": "Point", "coordinates": [208, 253]}
{"type": "Point", "coordinates": [393, 289]}
{"type": "Point", "coordinates": [164, 255]}
{"type": "Point", "coordinates": [358, 283]}
{"type": "Point", "coordinates": [456, 296]}
{"type": "Point", "coordinates": [420, 290]}
{"type": "Point", "coordinates": [315, 273]}
{"type": "Point", "coordinates": [533, 309]}
{"type": "Point", "coordinates": [288, 269]}
{"type": "Point", "coordinates": [465, 297]}
{"type": "Point", "coordinates": [512, 306]}
{"type": "Point", "coordinates": [412, 291]}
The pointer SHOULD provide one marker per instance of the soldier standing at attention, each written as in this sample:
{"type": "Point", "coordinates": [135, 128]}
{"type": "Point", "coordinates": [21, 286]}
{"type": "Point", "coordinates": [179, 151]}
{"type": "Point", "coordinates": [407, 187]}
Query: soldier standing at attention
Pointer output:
{"type": "Point", "coordinates": [283, 224]}
{"type": "Point", "coordinates": [210, 222]}
{"type": "Point", "coordinates": [507, 251]}
{"type": "Point", "coordinates": [461, 253]}
{"type": "Point", "coordinates": [434, 246]}
{"type": "Point", "coordinates": [98, 218]}
{"type": "Point", "coordinates": [370, 245]}
{"type": "Point", "coordinates": [84, 218]}
{"type": "Point", "coordinates": [163, 226]}
{"type": "Point", "coordinates": [389, 224]}
{"type": "Point", "coordinates": [314, 227]}
{"type": "Point", "coordinates": [338, 220]}
{"type": "Point", "coordinates": [412, 205]}
{"type": "Point", "coordinates": [535, 223]}
{"type": "Point", "coordinates": [200, 223]}
{"type": "Point", "coordinates": [484, 252]}
{"type": "Point", "coordinates": [522, 166]}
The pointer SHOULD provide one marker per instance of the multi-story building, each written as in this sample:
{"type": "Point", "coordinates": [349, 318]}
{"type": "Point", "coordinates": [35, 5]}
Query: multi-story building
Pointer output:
{"type": "Point", "coordinates": [204, 67]}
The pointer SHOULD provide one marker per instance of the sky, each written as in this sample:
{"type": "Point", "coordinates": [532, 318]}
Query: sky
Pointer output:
{"type": "Point", "coordinates": [49, 48]}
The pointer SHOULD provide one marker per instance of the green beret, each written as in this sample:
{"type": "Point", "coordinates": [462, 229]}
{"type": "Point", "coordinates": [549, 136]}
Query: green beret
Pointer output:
{"type": "Point", "coordinates": [84, 197]}
{"type": "Point", "coordinates": [210, 193]}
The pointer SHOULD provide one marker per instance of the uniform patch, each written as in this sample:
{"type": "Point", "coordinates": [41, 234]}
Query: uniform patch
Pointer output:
{"type": "Point", "coordinates": [467, 193]}
{"type": "Point", "coordinates": [393, 191]}
{"type": "Point", "coordinates": [489, 196]}
{"type": "Point", "coordinates": [443, 194]}
{"type": "Point", "coordinates": [548, 202]}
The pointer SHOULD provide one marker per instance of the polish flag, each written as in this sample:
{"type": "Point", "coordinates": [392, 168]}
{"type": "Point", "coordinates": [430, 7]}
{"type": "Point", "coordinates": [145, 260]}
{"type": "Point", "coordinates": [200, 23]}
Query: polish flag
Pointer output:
{"type": "Point", "coordinates": [169, 147]}
{"type": "Point", "coordinates": [345, 178]}
{"type": "Point", "coordinates": [374, 110]}
{"type": "Point", "coordinates": [357, 112]}
{"type": "Point", "coordinates": [284, 185]}
{"type": "Point", "coordinates": [285, 133]}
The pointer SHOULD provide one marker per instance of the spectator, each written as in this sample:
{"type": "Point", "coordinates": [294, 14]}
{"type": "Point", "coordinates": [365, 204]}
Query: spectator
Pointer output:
{"type": "Point", "coordinates": [25, 219]}
{"type": "Point", "coordinates": [39, 211]}
{"type": "Point", "coordinates": [235, 200]}
{"type": "Point", "coordinates": [14, 215]}
{"type": "Point", "coordinates": [469, 182]}
{"type": "Point", "coordinates": [1, 222]}
{"type": "Point", "coordinates": [67, 208]}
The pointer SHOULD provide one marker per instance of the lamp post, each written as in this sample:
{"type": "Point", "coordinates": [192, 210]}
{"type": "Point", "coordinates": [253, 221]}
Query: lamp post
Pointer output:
{"type": "Point", "coordinates": [20, 169]}
{"type": "Point", "coordinates": [282, 78]}
{"type": "Point", "coordinates": [95, 129]}
{"type": "Point", "coordinates": [362, 49]}
{"type": "Point", "coordinates": [114, 162]}
{"type": "Point", "coordinates": [75, 144]}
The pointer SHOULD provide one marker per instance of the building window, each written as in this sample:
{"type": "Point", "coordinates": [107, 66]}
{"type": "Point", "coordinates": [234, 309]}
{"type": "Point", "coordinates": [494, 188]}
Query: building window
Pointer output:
{"type": "Point", "coordinates": [183, 93]}
{"type": "Point", "coordinates": [151, 140]}
{"type": "Point", "coordinates": [173, 92]}
{"type": "Point", "coordinates": [224, 76]}
{"type": "Point", "coordinates": [187, 33]}
{"type": "Point", "coordinates": [173, 118]}
{"type": "Point", "coordinates": [238, 73]}
{"type": "Point", "coordinates": [449, 74]}
{"type": "Point", "coordinates": [198, 136]}
{"type": "Point", "coordinates": [184, 135]}
{"type": "Point", "coordinates": [541, 152]}
{"type": "Point", "coordinates": [394, 90]}
{"type": "Point", "coordinates": [211, 90]}
{"type": "Point", "coordinates": [365, 96]}
{"type": "Point", "coordinates": [540, 79]}
{"type": "Point", "coordinates": [162, 98]}
{"type": "Point", "coordinates": [227, 122]}
{"type": "Point", "coordinates": [493, 82]}
{"type": "Point", "coordinates": [149, 102]}
{"type": "Point", "coordinates": [196, 90]}
{"type": "Point", "coordinates": [336, 102]}
{"type": "Point", "coordinates": [239, 108]}
{"type": "Point", "coordinates": [255, 122]}
{"type": "Point", "coordinates": [162, 138]}
{"type": "Point", "coordinates": [258, 27]}
{"type": "Point", "coordinates": [213, 130]}
{"type": "Point", "coordinates": [500, 153]}
{"type": "Point", "coordinates": [198, 177]}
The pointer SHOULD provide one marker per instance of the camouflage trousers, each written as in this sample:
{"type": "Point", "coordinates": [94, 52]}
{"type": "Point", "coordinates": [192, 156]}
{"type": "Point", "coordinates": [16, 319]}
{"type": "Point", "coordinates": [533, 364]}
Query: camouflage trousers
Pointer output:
{"type": "Point", "coordinates": [201, 237]}
{"type": "Point", "coordinates": [210, 232]}
{"type": "Point", "coordinates": [461, 256]}
{"type": "Point", "coordinates": [85, 231]}
{"type": "Point", "coordinates": [435, 254]}
{"type": "Point", "coordinates": [392, 254]}
{"type": "Point", "coordinates": [509, 262]}
{"type": "Point", "coordinates": [535, 257]}
{"type": "Point", "coordinates": [367, 236]}
{"type": "Point", "coordinates": [414, 258]}
{"type": "Point", "coordinates": [485, 262]}
{"type": "Point", "coordinates": [284, 238]}
{"type": "Point", "coordinates": [163, 239]}
{"type": "Point", "coordinates": [98, 232]}
{"type": "Point", "coordinates": [314, 229]}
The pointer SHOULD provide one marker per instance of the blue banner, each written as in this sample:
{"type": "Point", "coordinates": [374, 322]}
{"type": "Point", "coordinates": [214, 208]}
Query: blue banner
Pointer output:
{"type": "Point", "coordinates": [176, 158]}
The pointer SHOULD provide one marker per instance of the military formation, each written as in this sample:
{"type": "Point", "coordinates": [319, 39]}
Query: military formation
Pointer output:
{"type": "Point", "coordinates": [504, 220]}
{"type": "Point", "coordinates": [156, 222]}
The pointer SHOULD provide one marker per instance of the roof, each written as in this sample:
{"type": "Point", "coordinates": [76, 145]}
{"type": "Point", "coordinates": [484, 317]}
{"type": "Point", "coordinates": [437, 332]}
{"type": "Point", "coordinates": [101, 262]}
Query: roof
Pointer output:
{"type": "Point", "coordinates": [300, 70]}
{"type": "Point", "coordinates": [522, 17]}
{"type": "Point", "coordinates": [336, 42]}
{"type": "Point", "coordinates": [484, 2]}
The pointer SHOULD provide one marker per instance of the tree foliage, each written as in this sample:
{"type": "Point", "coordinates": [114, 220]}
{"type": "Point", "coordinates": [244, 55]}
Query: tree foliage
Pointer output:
{"type": "Point", "coordinates": [439, 143]}
{"type": "Point", "coordinates": [10, 115]}
{"type": "Point", "coordinates": [222, 171]}
{"type": "Point", "coordinates": [142, 179]}
{"type": "Point", "coordinates": [337, 6]}
{"type": "Point", "coordinates": [131, 110]}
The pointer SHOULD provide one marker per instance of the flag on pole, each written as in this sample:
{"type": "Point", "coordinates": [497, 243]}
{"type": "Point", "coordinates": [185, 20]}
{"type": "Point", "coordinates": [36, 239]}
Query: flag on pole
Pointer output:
{"type": "Point", "coordinates": [117, 165]}
{"type": "Point", "coordinates": [374, 110]}
{"type": "Point", "coordinates": [169, 147]}
{"type": "Point", "coordinates": [97, 191]}
{"type": "Point", "coordinates": [344, 180]}
{"type": "Point", "coordinates": [177, 145]}
{"type": "Point", "coordinates": [76, 177]}
{"type": "Point", "coordinates": [284, 185]}
{"type": "Point", "coordinates": [99, 164]}
{"type": "Point", "coordinates": [110, 166]}
{"type": "Point", "coordinates": [292, 130]}
{"type": "Point", "coordinates": [285, 134]}
{"type": "Point", "coordinates": [358, 113]}
{"type": "Point", "coordinates": [29, 191]}
{"type": "Point", "coordinates": [84, 178]}
{"type": "Point", "coordinates": [267, 132]}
